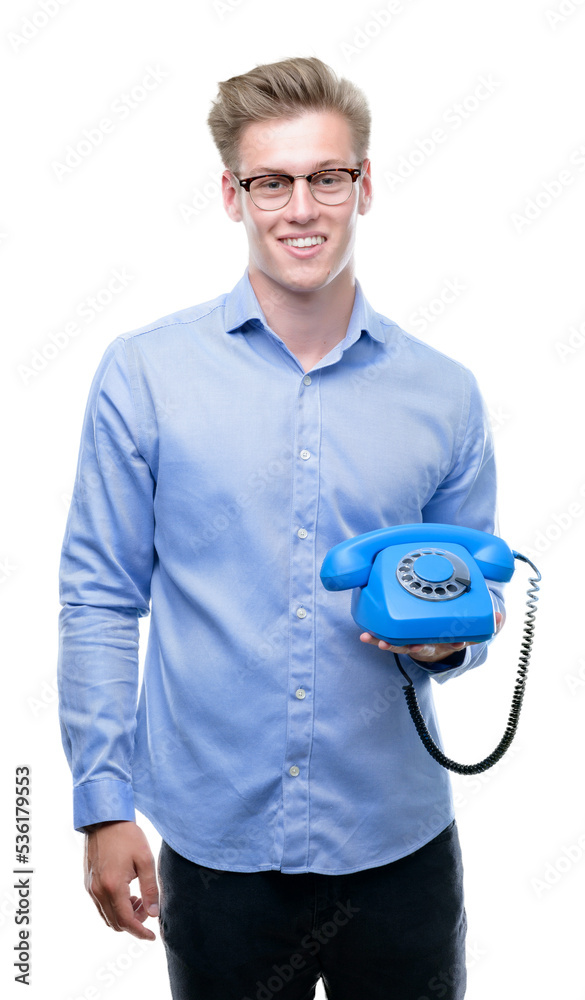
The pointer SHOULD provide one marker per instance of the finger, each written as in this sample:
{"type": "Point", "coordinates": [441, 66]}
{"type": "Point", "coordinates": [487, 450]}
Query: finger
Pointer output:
{"type": "Point", "coordinates": [139, 911]}
{"type": "Point", "coordinates": [425, 652]}
{"type": "Point", "coordinates": [146, 871]}
{"type": "Point", "coordinates": [382, 644]}
{"type": "Point", "coordinates": [123, 916]}
{"type": "Point", "coordinates": [421, 651]}
{"type": "Point", "coordinates": [117, 907]}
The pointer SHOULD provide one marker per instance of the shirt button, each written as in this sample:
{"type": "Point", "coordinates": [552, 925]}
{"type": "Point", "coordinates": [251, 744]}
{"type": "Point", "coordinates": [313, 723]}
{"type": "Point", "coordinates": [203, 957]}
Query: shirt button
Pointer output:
{"type": "Point", "coordinates": [301, 613]}
{"type": "Point", "coordinates": [305, 454]}
{"type": "Point", "coordinates": [300, 693]}
{"type": "Point", "coordinates": [294, 770]}
{"type": "Point", "coordinates": [302, 532]}
{"type": "Point", "coordinates": [307, 380]}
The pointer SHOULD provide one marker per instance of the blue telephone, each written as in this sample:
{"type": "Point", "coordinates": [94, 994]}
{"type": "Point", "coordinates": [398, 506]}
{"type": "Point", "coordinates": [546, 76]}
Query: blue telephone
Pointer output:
{"type": "Point", "coordinates": [426, 583]}
{"type": "Point", "coordinates": [419, 583]}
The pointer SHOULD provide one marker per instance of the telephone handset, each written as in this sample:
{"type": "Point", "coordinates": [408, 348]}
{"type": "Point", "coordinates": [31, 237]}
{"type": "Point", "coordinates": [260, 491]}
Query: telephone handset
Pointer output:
{"type": "Point", "coordinates": [426, 583]}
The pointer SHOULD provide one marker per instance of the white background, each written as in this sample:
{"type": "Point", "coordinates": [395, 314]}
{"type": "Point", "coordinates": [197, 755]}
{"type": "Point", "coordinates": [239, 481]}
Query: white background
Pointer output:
{"type": "Point", "coordinates": [518, 322]}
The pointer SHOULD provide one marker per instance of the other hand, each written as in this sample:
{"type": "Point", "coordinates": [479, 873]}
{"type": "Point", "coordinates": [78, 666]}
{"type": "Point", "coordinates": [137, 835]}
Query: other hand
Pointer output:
{"type": "Point", "coordinates": [115, 854]}
{"type": "Point", "coordinates": [427, 653]}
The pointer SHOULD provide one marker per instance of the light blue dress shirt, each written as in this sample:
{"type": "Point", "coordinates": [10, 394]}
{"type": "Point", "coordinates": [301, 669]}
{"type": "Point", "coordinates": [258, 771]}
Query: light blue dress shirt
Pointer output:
{"type": "Point", "coordinates": [213, 476]}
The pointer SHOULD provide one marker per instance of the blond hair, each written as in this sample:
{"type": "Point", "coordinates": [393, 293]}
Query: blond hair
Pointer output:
{"type": "Point", "coordinates": [285, 89]}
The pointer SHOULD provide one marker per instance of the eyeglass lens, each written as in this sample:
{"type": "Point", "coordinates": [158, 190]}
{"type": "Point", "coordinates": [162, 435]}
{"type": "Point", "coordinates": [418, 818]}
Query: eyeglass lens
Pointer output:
{"type": "Point", "coordinates": [330, 188]}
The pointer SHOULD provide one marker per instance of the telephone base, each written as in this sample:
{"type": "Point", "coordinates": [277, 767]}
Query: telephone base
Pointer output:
{"type": "Point", "coordinates": [431, 640]}
{"type": "Point", "coordinates": [384, 607]}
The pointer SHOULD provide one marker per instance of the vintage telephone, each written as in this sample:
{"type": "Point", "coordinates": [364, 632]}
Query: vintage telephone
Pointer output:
{"type": "Point", "coordinates": [426, 583]}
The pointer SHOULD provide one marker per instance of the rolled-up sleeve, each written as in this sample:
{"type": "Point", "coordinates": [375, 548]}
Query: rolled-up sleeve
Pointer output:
{"type": "Point", "coordinates": [105, 571]}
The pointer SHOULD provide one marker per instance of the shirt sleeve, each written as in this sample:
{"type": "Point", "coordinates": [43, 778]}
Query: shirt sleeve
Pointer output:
{"type": "Point", "coordinates": [104, 588]}
{"type": "Point", "coordinates": [467, 497]}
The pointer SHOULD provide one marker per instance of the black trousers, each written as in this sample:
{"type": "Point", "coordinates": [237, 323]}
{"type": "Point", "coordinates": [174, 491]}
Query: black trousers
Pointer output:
{"type": "Point", "coordinates": [395, 932]}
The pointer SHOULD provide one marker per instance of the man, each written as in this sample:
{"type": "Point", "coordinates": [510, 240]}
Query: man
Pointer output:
{"type": "Point", "coordinates": [225, 449]}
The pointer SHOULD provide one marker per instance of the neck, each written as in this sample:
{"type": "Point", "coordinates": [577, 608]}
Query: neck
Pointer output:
{"type": "Point", "coordinates": [311, 322]}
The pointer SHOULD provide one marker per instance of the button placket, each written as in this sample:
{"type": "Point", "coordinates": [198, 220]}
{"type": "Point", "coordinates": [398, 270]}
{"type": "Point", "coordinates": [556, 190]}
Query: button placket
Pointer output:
{"type": "Point", "coordinates": [302, 649]}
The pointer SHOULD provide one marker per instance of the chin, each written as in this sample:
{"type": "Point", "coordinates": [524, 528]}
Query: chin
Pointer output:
{"type": "Point", "coordinates": [303, 278]}
{"type": "Point", "coordinates": [310, 284]}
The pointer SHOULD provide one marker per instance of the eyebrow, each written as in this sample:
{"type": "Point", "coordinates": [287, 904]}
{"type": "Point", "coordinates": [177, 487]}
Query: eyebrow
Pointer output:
{"type": "Point", "coordinates": [335, 161]}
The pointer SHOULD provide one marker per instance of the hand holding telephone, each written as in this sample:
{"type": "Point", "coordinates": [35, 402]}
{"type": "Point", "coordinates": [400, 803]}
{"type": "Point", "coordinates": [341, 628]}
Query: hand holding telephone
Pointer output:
{"type": "Point", "coordinates": [426, 583]}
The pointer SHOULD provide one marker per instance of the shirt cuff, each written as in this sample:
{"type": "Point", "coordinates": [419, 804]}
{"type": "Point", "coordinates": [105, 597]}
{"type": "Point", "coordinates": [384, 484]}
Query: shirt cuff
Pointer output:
{"type": "Point", "coordinates": [101, 801]}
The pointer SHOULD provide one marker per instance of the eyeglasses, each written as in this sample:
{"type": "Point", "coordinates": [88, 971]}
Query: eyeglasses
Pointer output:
{"type": "Point", "coordinates": [330, 187]}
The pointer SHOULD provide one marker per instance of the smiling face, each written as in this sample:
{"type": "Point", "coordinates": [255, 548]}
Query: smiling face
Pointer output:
{"type": "Point", "coordinates": [298, 146]}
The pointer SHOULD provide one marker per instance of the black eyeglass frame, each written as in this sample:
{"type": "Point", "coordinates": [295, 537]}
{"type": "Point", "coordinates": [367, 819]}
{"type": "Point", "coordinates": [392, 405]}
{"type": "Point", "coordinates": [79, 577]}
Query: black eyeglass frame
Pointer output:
{"type": "Point", "coordinates": [354, 173]}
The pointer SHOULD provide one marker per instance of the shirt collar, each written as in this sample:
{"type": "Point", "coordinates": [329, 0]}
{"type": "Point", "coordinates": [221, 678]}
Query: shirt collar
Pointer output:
{"type": "Point", "coordinates": [242, 307]}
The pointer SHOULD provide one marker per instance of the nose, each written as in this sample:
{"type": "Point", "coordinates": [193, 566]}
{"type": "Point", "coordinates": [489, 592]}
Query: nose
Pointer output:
{"type": "Point", "coordinates": [302, 206]}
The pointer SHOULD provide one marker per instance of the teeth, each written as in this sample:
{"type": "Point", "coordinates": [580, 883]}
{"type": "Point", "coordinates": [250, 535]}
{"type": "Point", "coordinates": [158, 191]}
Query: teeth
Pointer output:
{"type": "Point", "coordinates": [308, 241]}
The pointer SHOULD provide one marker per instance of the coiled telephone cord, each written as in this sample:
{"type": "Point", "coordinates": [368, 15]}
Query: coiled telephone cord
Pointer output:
{"type": "Point", "coordinates": [510, 731]}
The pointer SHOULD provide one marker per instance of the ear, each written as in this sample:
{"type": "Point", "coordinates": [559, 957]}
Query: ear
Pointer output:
{"type": "Point", "coordinates": [365, 183]}
{"type": "Point", "coordinates": [230, 192]}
